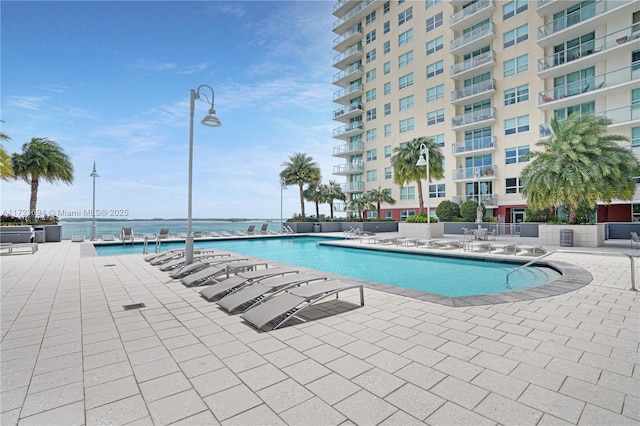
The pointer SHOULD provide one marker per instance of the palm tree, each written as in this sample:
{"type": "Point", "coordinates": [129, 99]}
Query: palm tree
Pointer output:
{"type": "Point", "coordinates": [41, 158]}
{"type": "Point", "coordinates": [332, 192]}
{"type": "Point", "coordinates": [378, 196]}
{"type": "Point", "coordinates": [313, 193]}
{"type": "Point", "coordinates": [300, 170]}
{"type": "Point", "coordinates": [5, 159]}
{"type": "Point", "coordinates": [360, 204]}
{"type": "Point", "coordinates": [579, 164]}
{"type": "Point", "coordinates": [404, 166]}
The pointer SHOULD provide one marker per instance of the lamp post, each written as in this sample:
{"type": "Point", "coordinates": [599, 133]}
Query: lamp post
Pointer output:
{"type": "Point", "coordinates": [476, 173]}
{"type": "Point", "coordinates": [424, 161]}
{"type": "Point", "coordinates": [211, 120]}
{"type": "Point", "coordinates": [282, 187]}
{"type": "Point", "coordinates": [94, 174]}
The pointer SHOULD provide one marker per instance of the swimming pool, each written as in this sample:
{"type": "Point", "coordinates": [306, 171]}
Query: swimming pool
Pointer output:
{"type": "Point", "coordinates": [440, 275]}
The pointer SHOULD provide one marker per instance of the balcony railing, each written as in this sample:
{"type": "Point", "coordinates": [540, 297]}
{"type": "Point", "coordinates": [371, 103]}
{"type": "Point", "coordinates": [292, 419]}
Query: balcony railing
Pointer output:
{"type": "Point", "coordinates": [352, 187]}
{"type": "Point", "coordinates": [347, 90]}
{"type": "Point", "coordinates": [621, 115]}
{"type": "Point", "coordinates": [468, 11]}
{"type": "Point", "coordinates": [348, 168]}
{"type": "Point", "coordinates": [486, 199]}
{"type": "Point", "coordinates": [478, 144]}
{"type": "Point", "coordinates": [353, 68]}
{"type": "Point", "coordinates": [476, 61]}
{"type": "Point", "coordinates": [356, 29]}
{"type": "Point", "coordinates": [602, 81]}
{"type": "Point", "coordinates": [347, 109]}
{"type": "Point", "coordinates": [474, 89]}
{"type": "Point", "coordinates": [473, 117]}
{"type": "Point", "coordinates": [589, 48]}
{"type": "Point", "coordinates": [356, 125]}
{"type": "Point", "coordinates": [350, 51]}
{"type": "Point", "coordinates": [595, 9]}
{"type": "Point", "coordinates": [353, 12]}
{"type": "Point", "coordinates": [471, 36]}
{"type": "Point", "coordinates": [352, 147]}
{"type": "Point", "coordinates": [477, 173]}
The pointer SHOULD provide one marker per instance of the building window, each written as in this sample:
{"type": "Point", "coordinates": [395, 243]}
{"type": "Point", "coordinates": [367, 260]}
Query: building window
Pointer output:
{"type": "Point", "coordinates": [387, 150]}
{"type": "Point", "coordinates": [635, 99]}
{"type": "Point", "coordinates": [371, 114]}
{"type": "Point", "coordinates": [408, 193]}
{"type": "Point", "coordinates": [372, 175]}
{"type": "Point", "coordinates": [518, 94]}
{"type": "Point", "coordinates": [516, 65]}
{"type": "Point", "coordinates": [370, 55]}
{"type": "Point", "coordinates": [387, 130]}
{"type": "Point", "coordinates": [372, 154]}
{"type": "Point", "coordinates": [405, 16]}
{"type": "Point", "coordinates": [386, 27]}
{"type": "Point", "coordinates": [635, 60]}
{"type": "Point", "coordinates": [436, 92]}
{"type": "Point", "coordinates": [371, 75]}
{"type": "Point", "coordinates": [516, 125]}
{"type": "Point", "coordinates": [585, 108]}
{"type": "Point", "coordinates": [406, 103]}
{"type": "Point", "coordinates": [513, 37]}
{"type": "Point", "coordinates": [513, 8]}
{"type": "Point", "coordinates": [434, 22]}
{"type": "Point", "coordinates": [405, 59]}
{"type": "Point", "coordinates": [387, 108]}
{"type": "Point", "coordinates": [431, 3]}
{"type": "Point", "coordinates": [405, 81]}
{"type": "Point", "coordinates": [405, 37]}
{"type": "Point", "coordinates": [635, 136]}
{"type": "Point", "coordinates": [520, 154]}
{"type": "Point", "coordinates": [387, 173]}
{"type": "Point", "coordinates": [372, 135]}
{"type": "Point", "coordinates": [404, 214]}
{"type": "Point", "coordinates": [435, 117]}
{"type": "Point", "coordinates": [435, 69]}
{"type": "Point", "coordinates": [386, 8]}
{"type": "Point", "coordinates": [387, 88]}
{"type": "Point", "coordinates": [387, 67]}
{"type": "Point", "coordinates": [387, 47]}
{"type": "Point", "coordinates": [370, 18]}
{"type": "Point", "coordinates": [370, 95]}
{"type": "Point", "coordinates": [406, 125]}
{"type": "Point", "coordinates": [437, 191]}
{"type": "Point", "coordinates": [439, 139]}
{"type": "Point", "coordinates": [435, 45]}
{"type": "Point", "coordinates": [513, 185]}
{"type": "Point", "coordinates": [370, 37]}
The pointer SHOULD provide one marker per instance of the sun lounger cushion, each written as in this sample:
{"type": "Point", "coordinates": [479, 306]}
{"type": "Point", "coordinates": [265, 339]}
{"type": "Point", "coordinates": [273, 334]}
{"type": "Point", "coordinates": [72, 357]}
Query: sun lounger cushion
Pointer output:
{"type": "Point", "coordinates": [241, 279]}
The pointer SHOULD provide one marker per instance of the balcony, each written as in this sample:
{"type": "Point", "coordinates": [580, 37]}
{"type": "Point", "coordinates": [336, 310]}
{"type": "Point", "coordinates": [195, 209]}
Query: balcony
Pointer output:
{"type": "Point", "coordinates": [352, 16]}
{"type": "Point", "coordinates": [348, 169]}
{"type": "Point", "coordinates": [551, 7]}
{"type": "Point", "coordinates": [348, 112]}
{"type": "Point", "coordinates": [342, 7]}
{"type": "Point", "coordinates": [490, 201]}
{"type": "Point", "coordinates": [473, 92]}
{"type": "Point", "coordinates": [473, 66]}
{"type": "Point", "coordinates": [589, 53]}
{"type": "Point", "coordinates": [352, 73]}
{"type": "Point", "coordinates": [475, 146]}
{"type": "Point", "coordinates": [587, 89]}
{"type": "Point", "coordinates": [351, 37]}
{"type": "Point", "coordinates": [623, 116]}
{"type": "Point", "coordinates": [472, 40]}
{"type": "Point", "coordinates": [348, 149]}
{"type": "Point", "coordinates": [349, 56]}
{"type": "Point", "coordinates": [350, 92]}
{"type": "Point", "coordinates": [352, 187]}
{"type": "Point", "coordinates": [469, 16]}
{"type": "Point", "coordinates": [544, 131]}
{"type": "Point", "coordinates": [479, 173]}
{"type": "Point", "coordinates": [589, 18]}
{"type": "Point", "coordinates": [349, 130]}
{"type": "Point", "coordinates": [473, 118]}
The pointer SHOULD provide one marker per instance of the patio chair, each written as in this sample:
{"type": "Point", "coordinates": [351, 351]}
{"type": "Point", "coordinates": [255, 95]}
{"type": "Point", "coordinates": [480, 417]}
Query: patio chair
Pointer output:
{"type": "Point", "coordinates": [263, 229]}
{"type": "Point", "coordinates": [207, 275]}
{"type": "Point", "coordinates": [77, 238]}
{"type": "Point", "coordinates": [251, 230]}
{"type": "Point", "coordinates": [177, 263]}
{"type": "Point", "coordinates": [127, 235]}
{"type": "Point", "coordinates": [108, 237]}
{"type": "Point", "coordinates": [528, 250]}
{"type": "Point", "coordinates": [238, 281]}
{"type": "Point", "coordinates": [635, 239]}
{"type": "Point", "coordinates": [201, 264]}
{"type": "Point", "coordinates": [164, 233]}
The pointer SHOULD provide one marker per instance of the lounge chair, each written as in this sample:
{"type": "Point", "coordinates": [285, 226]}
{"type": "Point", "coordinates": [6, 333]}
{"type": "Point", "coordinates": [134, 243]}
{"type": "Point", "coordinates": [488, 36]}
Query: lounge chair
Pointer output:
{"type": "Point", "coordinates": [215, 234]}
{"type": "Point", "coordinates": [164, 233]}
{"type": "Point", "coordinates": [251, 230]}
{"type": "Point", "coordinates": [504, 248]}
{"type": "Point", "coordinates": [448, 245]}
{"type": "Point", "coordinates": [167, 257]}
{"type": "Point", "coordinates": [635, 239]}
{"type": "Point", "coordinates": [385, 240]}
{"type": "Point", "coordinates": [77, 238]}
{"type": "Point", "coordinates": [244, 278]}
{"type": "Point", "coordinates": [205, 276]}
{"type": "Point", "coordinates": [226, 234]}
{"type": "Point", "coordinates": [255, 291]}
{"type": "Point", "coordinates": [177, 263]}
{"type": "Point", "coordinates": [201, 264]}
{"type": "Point", "coordinates": [108, 237]}
{"type": "Point", "coordinates": [527, 250]}
{"type": "Point", "coordinates": [263, 229]}
{"type": "Point", "coordinates": [283, 306]}
{"type": "Point", "coordinates": [150, 257]}
{"type": "Point", "coordinates": [127, 235]}
{"type": "Point", "coordinates": [11, 248]}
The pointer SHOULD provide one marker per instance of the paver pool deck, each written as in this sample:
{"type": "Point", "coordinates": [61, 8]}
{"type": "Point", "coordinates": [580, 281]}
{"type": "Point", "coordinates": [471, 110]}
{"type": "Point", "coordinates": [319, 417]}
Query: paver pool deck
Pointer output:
{"type": "Point", "coordinates": [71, 354]}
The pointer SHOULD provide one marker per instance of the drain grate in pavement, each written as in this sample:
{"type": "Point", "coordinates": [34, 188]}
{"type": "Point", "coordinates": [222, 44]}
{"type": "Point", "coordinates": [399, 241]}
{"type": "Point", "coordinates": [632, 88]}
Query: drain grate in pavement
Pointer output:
{"type": "Point", "coordinates": [133, 306]}
{"type": "Point", "coordinates": [109, 264]}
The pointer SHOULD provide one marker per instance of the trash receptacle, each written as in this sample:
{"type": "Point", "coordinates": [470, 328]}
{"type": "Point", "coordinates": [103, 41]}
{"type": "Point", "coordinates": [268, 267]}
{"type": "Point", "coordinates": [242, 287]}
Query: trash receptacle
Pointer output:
{"type": "Point", "coordinates": [316, 227]}
{"type": "Point", "coordinates": [40, 234]}
{"type": "Point", "coordinates": [566, 238]}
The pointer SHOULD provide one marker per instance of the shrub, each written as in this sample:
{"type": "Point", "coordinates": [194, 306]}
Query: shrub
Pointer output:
{"type": "Point", "coordinates": [468, 210]}
{"type": "Point", "coordinates": [447, 210]}
{"type": "Point", "coordinates": [420, 218]}
{"type": "Point", "coordinates": [8, 220]}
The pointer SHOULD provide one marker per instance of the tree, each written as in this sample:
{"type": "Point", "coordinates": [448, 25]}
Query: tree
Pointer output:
{"type": "Point", "coordinates": [332, 192]}
{"type": "Point", "coordinates": [469, 210]}
{"type": "Point", "coordinates": [404, 166]}
{"type": "Point", "coordinates": [378, 196]}
{"type": "Point", "coordinates": [447, 210]}
{"type": "Point", "coordinates": [578, 165]}
{"type": "Point", "coordinates": [313, 193]}
{"type": "Point", "coordinates": [360, 204]}
{"type": "Point", "coordinates": [41, 158]}
{"type": "Point", "coordinates": [5, 159]}
{"type": "Point", "coordinates": [300, 170]}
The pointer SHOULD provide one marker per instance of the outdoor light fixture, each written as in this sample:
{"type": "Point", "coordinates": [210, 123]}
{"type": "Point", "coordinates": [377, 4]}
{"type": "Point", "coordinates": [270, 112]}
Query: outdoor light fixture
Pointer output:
{"type": "Point", "coordinates": [424, 161]}
{"type": "Point", "coordinates": [94, 174]}
{"type": "Point", "coordinates": [211, 120]}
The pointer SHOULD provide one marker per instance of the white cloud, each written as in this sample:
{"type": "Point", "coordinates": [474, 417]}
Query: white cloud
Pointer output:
{"type": "Point", "coordinates": [33, 103]}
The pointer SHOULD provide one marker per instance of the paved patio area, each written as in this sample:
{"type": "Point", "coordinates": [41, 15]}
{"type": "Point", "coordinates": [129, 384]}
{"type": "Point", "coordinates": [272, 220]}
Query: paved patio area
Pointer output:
{"type": "Point", "coordinates": [70, 353]}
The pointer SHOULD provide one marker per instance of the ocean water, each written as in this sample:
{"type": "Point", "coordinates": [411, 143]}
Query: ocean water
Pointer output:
{"type": "Point", "coordinates": [153, 226]}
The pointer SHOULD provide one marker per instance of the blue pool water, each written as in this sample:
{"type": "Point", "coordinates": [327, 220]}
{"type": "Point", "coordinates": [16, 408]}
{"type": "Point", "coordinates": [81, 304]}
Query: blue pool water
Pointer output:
{"type": "Point", "coordinates": [445, 276]}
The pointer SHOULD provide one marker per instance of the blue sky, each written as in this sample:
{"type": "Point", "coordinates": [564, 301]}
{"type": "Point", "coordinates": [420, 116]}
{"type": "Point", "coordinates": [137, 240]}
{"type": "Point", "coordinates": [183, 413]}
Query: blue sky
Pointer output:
{"type": "Point", "coordinates": [110, 81]}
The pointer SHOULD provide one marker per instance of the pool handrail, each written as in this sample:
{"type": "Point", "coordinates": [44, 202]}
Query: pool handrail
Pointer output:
{"type": "Point", "coordinates": [605, 253]}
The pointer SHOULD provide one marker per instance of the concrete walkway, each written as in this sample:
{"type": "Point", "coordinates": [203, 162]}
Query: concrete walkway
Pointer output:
{"type": "Point", "coordinates": [72, 355]}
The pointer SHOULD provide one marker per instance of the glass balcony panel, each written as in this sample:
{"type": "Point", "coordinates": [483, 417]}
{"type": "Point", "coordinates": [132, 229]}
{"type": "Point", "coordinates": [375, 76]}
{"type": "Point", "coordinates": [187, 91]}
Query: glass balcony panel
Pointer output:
{"type": "Point", "coordinates": [470, 10]}
{"type": "Point", "coordinates": [474, 89]}
{"type": "Point", "coordinates": [474, 173]}
{"type": "Point", "coordinates": [473, 117]}
{"type": "Point", "coordinates": [476, 61]}
{"type": "Point", "coordinates": [471, 36]}
{"type": "Point", "coordinates": [477, 144]}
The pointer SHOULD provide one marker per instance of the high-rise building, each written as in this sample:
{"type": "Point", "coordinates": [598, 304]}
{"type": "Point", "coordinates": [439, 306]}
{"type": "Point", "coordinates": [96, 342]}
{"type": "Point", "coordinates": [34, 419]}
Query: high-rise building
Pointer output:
{"type": "Point", "coordinates": [482, 78]}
